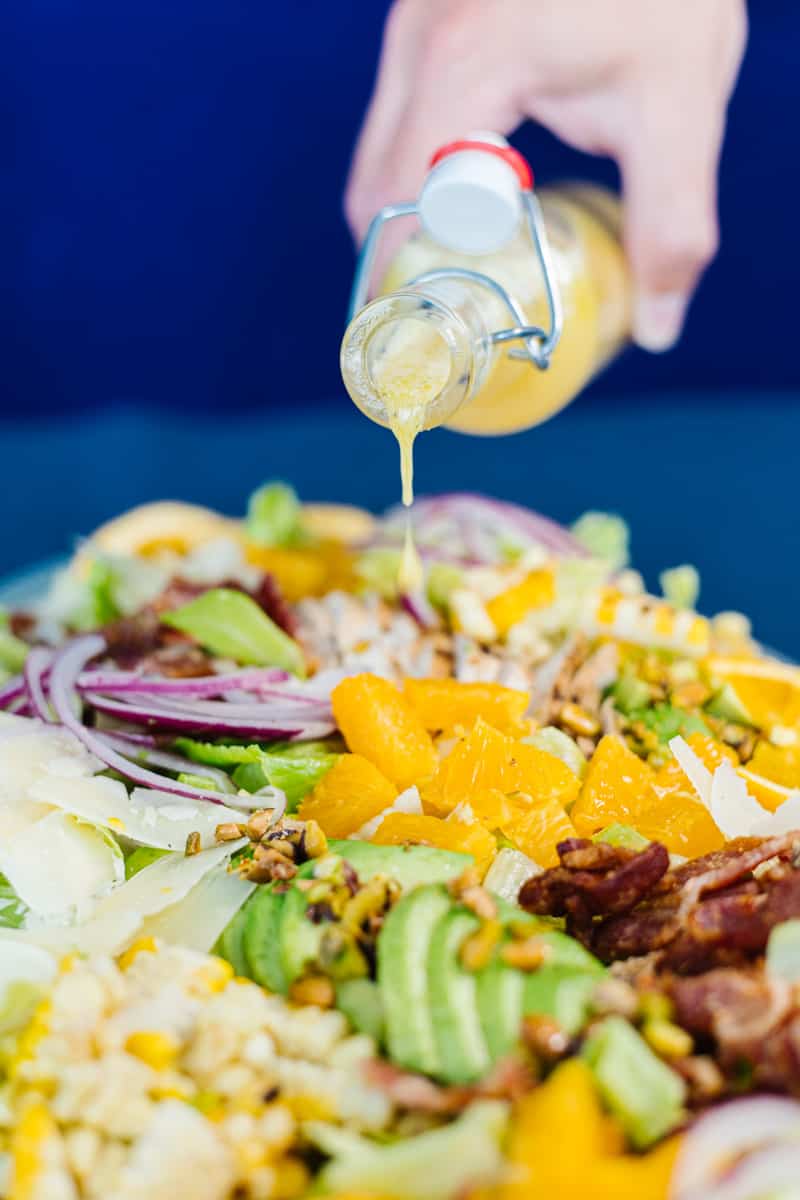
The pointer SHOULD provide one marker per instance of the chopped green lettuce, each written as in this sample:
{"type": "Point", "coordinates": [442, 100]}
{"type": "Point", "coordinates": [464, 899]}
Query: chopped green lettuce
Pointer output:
{"type": "Point", "coordinates": [681, 586]}
{"type": "Point", "coordinates": [274, 516]}
{"type": "Point", "coordinates": [605, 536]}
{"type": "Point", "coordinates": [140, 858]}
{"type": "Point", "coordinates": [12, 911]}
{"type": "Point", "coordinates": [666, 721]}
{"type": "Point", "coordinates": [231, 624]}
{"type": "Point", "coordinates": [378, 570]}
{"type": "Point", "coordinates": [295, 769]}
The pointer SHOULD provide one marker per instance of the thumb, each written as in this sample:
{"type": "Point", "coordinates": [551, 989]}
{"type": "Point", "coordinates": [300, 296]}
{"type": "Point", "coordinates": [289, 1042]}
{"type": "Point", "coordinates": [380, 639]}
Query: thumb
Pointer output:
{"type": "Point", "coordinates": [669, 171]}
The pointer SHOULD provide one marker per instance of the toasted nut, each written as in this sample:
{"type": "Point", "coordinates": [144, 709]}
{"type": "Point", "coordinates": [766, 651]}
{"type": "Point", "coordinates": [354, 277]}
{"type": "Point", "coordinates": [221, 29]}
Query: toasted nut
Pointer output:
{"type": "Point", "coordinates": [578, 720]}
{"type": "Point", "coordinates": [614, 996]}
{"type": "Point", "coordinates": [704, 1077]}
{"type": "Point", "coordinates": [526, 956]}
{"type": "Point", "coordinates": [667, 1039]}
{"type": "Point", "coordinates": [367, 902]}
{"type": "Point", "coordinates": [282, 846]}
{"type": "Point", "coordinates": [481, 902]}
{"type": "Point", "coordinates": [260, 823]}
{"type": "Point", "coordinates": [268, 864]}
{"type": "Point", "coordinates": [229, 832]}
{"type": "Point", "coordinates": [468, 878]}
{"type": "Point", "coordinates": [478, 948]}
{"type": "Point", "coordinates": [313, 989]}
{"type": "Point", "coordinates": [544, 1037]}
{"type": "Point", "coordinates": [314, 841]}
{"type": "Point", "coordinates": [193, 844]}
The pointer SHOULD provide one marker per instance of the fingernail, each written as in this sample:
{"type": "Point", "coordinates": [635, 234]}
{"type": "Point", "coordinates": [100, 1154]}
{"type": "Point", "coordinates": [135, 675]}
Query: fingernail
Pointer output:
{"type": "Point", "coordinates": [657, 320]}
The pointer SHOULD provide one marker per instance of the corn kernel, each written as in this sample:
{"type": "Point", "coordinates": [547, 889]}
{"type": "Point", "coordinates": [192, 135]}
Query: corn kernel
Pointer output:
{"type": "Point", "coordinates": [215, 975]}
{"type": "Point", "coordinates": [158, 1050]}
{"type": "Point", "coordinates": [667, 1039]}
{"type": "Point", "coordinates": [143, 945]}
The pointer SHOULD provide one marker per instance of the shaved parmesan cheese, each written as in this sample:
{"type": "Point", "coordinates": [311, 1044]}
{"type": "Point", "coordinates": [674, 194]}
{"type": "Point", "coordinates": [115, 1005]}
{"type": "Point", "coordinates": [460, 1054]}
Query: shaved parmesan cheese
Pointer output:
{"type": "Point", "coordinates": [58, 865]}
{"type": "Point", "coordinates": [33, 751]}
{"type": "Point", "coordinates": [23, 963]}
{"type": "Point", "coordinates": [197, 921]}
{"type": "Point", "coordinates": [734, 810]}
{"type": "Point", "coordinates": [147, 817]}
{"type": "Point", "coordinates": [407, 802]}
{"type": "Point", "coordinates": [696, 772]}
{"type": "Point", "coordinates": [118, 917]}
{"type": "Point", "coordinates": [17, 814]}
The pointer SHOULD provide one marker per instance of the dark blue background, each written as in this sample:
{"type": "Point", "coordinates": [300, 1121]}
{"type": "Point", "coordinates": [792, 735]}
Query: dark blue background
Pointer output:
{"type": "Point", "coordinates": [170, 228]}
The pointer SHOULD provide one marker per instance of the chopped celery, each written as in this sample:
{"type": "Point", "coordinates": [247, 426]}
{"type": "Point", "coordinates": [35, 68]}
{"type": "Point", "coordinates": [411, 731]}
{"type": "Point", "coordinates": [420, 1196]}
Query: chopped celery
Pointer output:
{"type": "Point", "coordinates": [621, 835]}
{"type": "Point", "coordinates": [605, 536]}
{"type": "Point", "coordinates": [666, 721]}
{"type": "Point", "coordinates": [783, 951]}
{"type": "Point", "coordinates": [681, 585]}
{"type": "Point", "coordinates": [274, 516]}
{"type": "Point", "coordinates": [508, 872]}
{"type": "Point", "coordinates": [140, 858]}
{"type": "Point", "coordinates": [560, 745]}
{"type": "Point", "coordinates": [13, 651]}
{"type": "Point", "coordinates": [12, 911]}
{"type": "Point", "coordinates": [645, 1095]}
{"type": "Point", "coordinates": [378, 570]}
{"type": "Point", "coordinates": [630, 693]}
{"type": "Point", "coordinates": [231, 624]}
{"type": "Point", "coordinates": [442, 581]}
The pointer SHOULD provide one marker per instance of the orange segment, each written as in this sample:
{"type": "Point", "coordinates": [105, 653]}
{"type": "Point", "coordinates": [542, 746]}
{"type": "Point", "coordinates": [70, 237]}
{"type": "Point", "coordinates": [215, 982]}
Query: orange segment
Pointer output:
{"type": "Point", "coordinates": [301, 573]}
{"type": "Point", "coordinates": [467, 837]}
{"type": "Point", "coordinates": [536, 827]}
{"type": "Point", "coordinates": [486, 762]}
{"type": "Point", "coordinates": [351, 793]}
{"type": "Point", "coordinates": [444, 703]}
{"type": "Point", "coordinates": [681, 823]}
{"type": "Point", "coordinates": [378, 723]}
{"type": "Point", "coordinates": [617, 786]}
{"type": "Point", "coordinates": [710, 752]}
{"type": "Point", "coordinates": [537, 590]}
{"type": "Point", "coordinates": [768, 691]}
{"type": "Point", "coordinates": [766, 791]}
{"type": "Point", "coordinates": [781, 764]}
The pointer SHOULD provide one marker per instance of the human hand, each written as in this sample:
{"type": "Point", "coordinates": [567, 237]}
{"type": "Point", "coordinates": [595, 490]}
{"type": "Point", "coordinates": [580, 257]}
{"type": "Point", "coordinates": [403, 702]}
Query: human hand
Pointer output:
{"type": "Point", "coordinates": [642, 81]}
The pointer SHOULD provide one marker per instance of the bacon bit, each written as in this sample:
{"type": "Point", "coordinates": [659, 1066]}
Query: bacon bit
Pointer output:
{"type": "Point", "coordinates": [508, 1080]}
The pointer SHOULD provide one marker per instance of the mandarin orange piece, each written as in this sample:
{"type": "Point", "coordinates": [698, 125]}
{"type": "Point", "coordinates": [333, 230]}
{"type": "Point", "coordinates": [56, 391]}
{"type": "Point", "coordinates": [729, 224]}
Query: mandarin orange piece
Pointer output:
{"type": "Point", "coordinates": [617, 786]}
{"type": "Point", "coordinates": [536, 828]}
{"type": "Point", "coordinates": [710, 752]}
{"type": "Point", "coordinates": [767, 691]}
{"type": "Point", "coordinates": [478, 763]}
{"type": "Point", "coordinates": [507, 609]}
{"type": "Point", "coordinates": [544, 776]}
{"type": "Point", "coordinates": [351, 793]}
{"type": "Point", "coordinates": [467, 837]}
{"type": "Point", "coordinates": [780, 764]}
{"type": "Point", "coordinates": [444, 703]}
{"type": "Point", "coordinates": [378, 723]}
{"type": "Point", "coordinates": [680, 822]}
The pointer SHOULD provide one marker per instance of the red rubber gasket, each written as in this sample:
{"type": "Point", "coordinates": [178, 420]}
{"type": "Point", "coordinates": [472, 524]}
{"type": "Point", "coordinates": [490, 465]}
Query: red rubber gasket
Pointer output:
{"type": "Point", "coordinates": [515, 160]}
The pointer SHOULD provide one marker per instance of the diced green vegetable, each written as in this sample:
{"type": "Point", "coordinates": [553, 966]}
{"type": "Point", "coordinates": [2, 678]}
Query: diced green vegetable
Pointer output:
{"type": "Point", "coordinates": [681, 585]}
{"type": "Point", "coordinates": [293, 775]}
{"type": "Point", "coordinates": [508, 872]}
{"type": "Point", "coordinates": [378, 571]}
{"type": "Point", "coordinates": [218, 754]}
{"type": "Point", "coordinates": [231, 624]}
{"type": "Point", "coordinates": [199, 781]}
{"type": "Point", "coordinates": [561, 745]}
{"type": "Point", "coordinates": [666, 721]}
{"type": "Point", "coordinates": [621, 835]}
{"type": "Point", "coordinates": [442, 581]}
{"type": "Point", "coordinates": [605, 536]}
{"type": "Point", "coordinates": [12, 911]}
{"type": "Point", "coordinates": [644, 1093]}
{"type": "Point", "coordinates": [140, 858]}
{"type": "Point", "coordinates": [783, 951]}
{"type": "Point", "coordinates": [274, 516]}
{"type": "Point", "coordinates": [630, 693]}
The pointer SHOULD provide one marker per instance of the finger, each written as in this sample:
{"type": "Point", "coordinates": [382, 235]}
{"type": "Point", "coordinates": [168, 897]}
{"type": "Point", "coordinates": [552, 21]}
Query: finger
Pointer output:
{"type": "Point", "coordinates": [455, 90]}
{"type": "Point", "coordinates": [669, 167]}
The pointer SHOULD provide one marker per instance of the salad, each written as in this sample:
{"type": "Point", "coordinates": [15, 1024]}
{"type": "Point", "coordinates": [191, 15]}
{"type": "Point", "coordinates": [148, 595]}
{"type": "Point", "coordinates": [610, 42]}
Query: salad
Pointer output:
{"type": "Point", "coordinates": [311, 887]}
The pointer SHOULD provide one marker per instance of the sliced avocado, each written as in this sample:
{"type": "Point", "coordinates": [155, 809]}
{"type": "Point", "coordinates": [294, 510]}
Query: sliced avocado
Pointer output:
{"type": "Point", "coordinates": [261, 940]}
{"type": "Point", "coordinates": [728, 707]}
{"type": "Point", "coordinates": [299, 938]}
{"type": "Point", "coordinates": [500, 1007]}
{"type": "Point", "coordinates": [409, 865]}
{"type": "Point", "coordinates": [453, 994]}
{"type": "Point", "coordinates": [403, 956]}
{"type": "Point", "coordinates": [565, 951]}
{"type": "Point", "coordinates": [360, 1001]}
{"type": "Point", "coordinates": [231, 942]}
{"type": "Point", "coordinates": [561, 993]}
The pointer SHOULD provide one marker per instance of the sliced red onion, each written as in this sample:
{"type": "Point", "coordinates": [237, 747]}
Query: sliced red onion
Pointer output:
{"type": "Point", "coordinates": [67, 667]}
{"type": "Point", "coordinates": [724, 1134]}
{"type": "Point", "coordinates": [11, 690]}
{"type": "Point", "coordinates": [772, 1171]}
{"type": "Point", "coordinates": [175, 763]}
{"type": "Point", "coordinates": [36, 669]}
{"type": "Point", "coordinates": [264, 727]}
{"type": "Point", "coordinates": [418, 606]}
{"type": "Point", "coordinates": [124, 682]}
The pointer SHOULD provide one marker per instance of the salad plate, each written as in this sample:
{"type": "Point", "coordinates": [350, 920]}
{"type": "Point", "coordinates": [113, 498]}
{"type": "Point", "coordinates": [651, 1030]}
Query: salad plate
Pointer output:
{"type": "Point", "coordinates": [310, 885]}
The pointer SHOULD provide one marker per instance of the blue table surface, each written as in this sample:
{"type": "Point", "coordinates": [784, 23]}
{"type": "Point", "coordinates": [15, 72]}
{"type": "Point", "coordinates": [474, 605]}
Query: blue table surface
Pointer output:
{"type": "Point", "coordinates": [698, 479]}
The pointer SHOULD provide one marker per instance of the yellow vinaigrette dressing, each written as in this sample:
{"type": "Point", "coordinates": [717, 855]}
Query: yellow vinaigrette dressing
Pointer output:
{"type": "Point", "coordinates": [422, 353]}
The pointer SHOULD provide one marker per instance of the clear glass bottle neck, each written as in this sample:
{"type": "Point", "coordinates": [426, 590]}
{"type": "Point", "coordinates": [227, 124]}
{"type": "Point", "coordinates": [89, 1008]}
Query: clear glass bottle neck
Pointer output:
{"type": "Point", "coordinates": [415, 356]}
